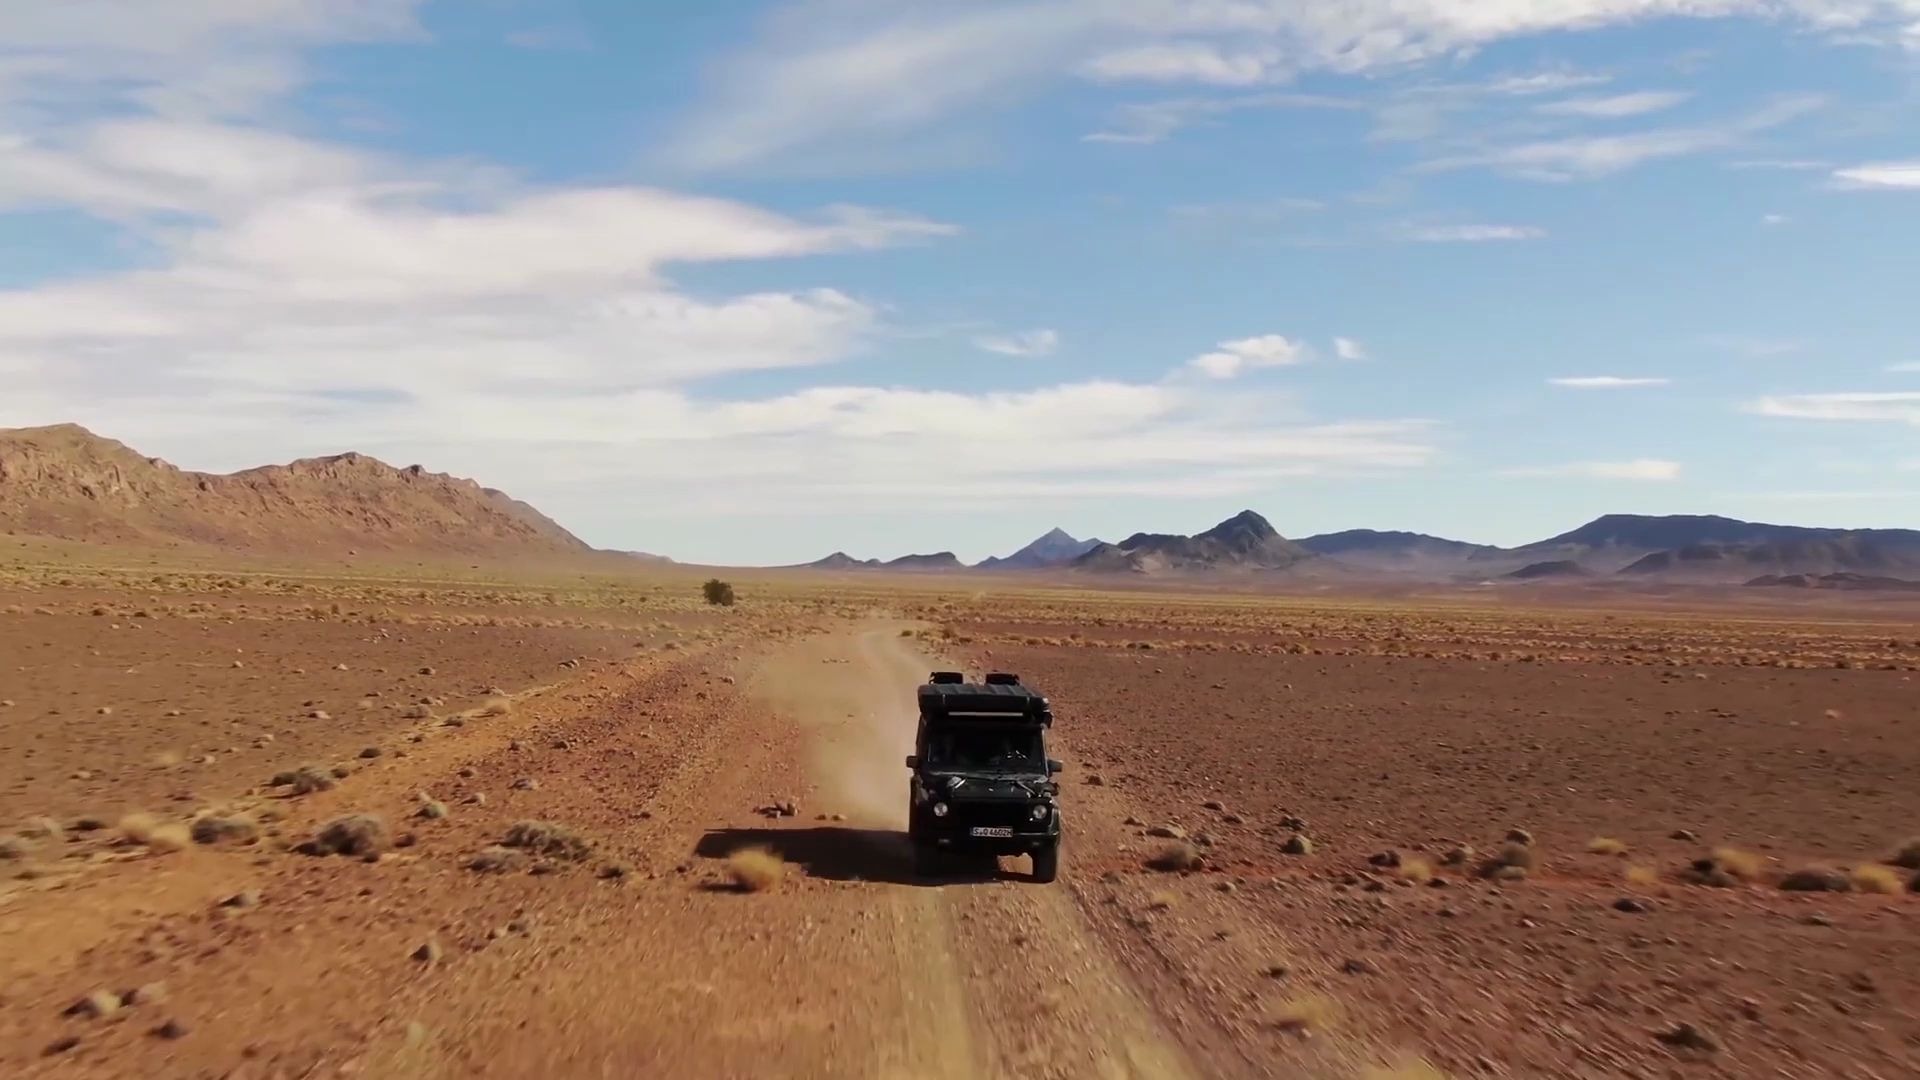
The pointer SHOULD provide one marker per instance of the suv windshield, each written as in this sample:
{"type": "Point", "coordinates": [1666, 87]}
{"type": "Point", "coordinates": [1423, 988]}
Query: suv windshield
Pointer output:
{"type": "Point", "coordinates": [1005, 750]}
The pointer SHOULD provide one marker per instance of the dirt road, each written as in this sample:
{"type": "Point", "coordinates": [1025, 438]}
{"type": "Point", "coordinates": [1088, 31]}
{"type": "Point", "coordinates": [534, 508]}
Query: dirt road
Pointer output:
{"type": "Point", "coordinates": [642, 960]}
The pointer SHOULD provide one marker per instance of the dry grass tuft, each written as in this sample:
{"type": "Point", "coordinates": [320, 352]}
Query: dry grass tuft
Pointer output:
{"type": "Point", "coordinates": [363, 835]}
{"type": "Point", "coordinates": [1908, 857]}
{"type": "Point", "coordinates": [497, 860]}
{"type": "Point", "coordinates": [547, 838]}
{"type": "Point", "coordinates": [1737, 864]}
{"type": "Point", "coordinates": [1644, 877]}
{"type": "Point", "coordinates": [1874, 878]}
{"type": "Point", "coordinates": [1307, 1013]}
{"type": "Point", "coordinates": [149, 832]}
{"type": "Point", "coordinates": [499, 706]}
{"type": "Point", "coordinates": [1162, 901]}
{"type": "Point", "coordinates": [755, 869]}
{"type": "Point", "coordinates": [1418, 871]}
{"type": "Point", "coordinates": [1606, 845]}
{"type": "Point", "coordinates": [1174, 857]}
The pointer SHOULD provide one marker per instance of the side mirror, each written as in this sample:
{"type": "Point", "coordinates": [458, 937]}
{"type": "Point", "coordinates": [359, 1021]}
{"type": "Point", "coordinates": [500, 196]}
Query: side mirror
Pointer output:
{"type": "Point", "coordinates": [913, 761]}
{"type": "Point", "coordinates": [1054, 766]}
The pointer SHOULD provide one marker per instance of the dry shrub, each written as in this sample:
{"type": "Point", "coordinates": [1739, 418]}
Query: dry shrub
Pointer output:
{"type": "Point", "coordinates": [14, 847]}
{"type": "Point", "coordinates": [1307, 1013]}
{"type": "Point", "coordinates": [304, 780]}
{"type": "Point", "coordinates": [1873, 878]}
{"type": "Point", "coordinates": [547, 838]}
{"type": "Point", "coordinates": [497, 707]}
{"type": "Point", "coordinates": [1174, 857]}
{"type": "Point", "coordinates": [1162, 901]}
{"type": "Point", "coordinates": [1642, 876]}
{"type": "Point", "coordinates": [364, 835]}
{"type": "Point", "coordinates": [497, 860]}
{"type": "Point", "coordinates": [1606, 845]}
{"type": "Point", "coordinates": [1511, 863]}
{"type": "Point", "coordinates": [1816, 879]}
{"type": "Point", "coordinates": [755, 869]}
{"type": "Point", "coordinates": [1418, 871]}
{"type": "Point", "coordinates": [222, 828]}
{"type": "Point", "coordinates": [1908, 857]}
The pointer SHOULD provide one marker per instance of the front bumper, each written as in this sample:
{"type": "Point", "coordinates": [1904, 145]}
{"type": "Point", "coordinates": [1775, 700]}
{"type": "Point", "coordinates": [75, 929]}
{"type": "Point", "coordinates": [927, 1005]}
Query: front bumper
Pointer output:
{"type": "Point", "coordinates": [986, 829]}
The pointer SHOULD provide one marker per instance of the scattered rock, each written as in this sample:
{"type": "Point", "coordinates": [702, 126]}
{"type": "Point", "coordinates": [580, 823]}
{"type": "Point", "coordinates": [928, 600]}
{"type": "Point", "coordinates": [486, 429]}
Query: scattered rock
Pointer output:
{"type": "Point", "coordinates": [1297, 844]}
{"type": "Point", "coordinates": [1386, 860]}
{"type": "Point", "coordinates": [1632, 905]}
{"type": "Point", "coordinates": [364, 835]}
{"type": "Point", "coordinates": [61, 1045]}
{"type": "Point", "coordinates": [1167, 832]}
{"type": "Point", "coordinates": [224, 828]}
{"type": "Point", "coordinates": [526, 783]}
{"type": "Point", "coordinates": [1175, 857]}
{"type": "Point", "coordinates": [98, 1005]}
{"type": "Point", "coordinates": [1688, 1037]}
{"type": "Point", "coordinates": [1359, 966]}
{"type": "Point", "coordinates": [1213, 804]}
{"type": "Point", "coordinates": [1519, 836]}
{"type": "Point", "coordinates": [245, 898]}
{"type": "Point", "coordinates": [369, 753]}
{"type": "Point", "coordinates": [153, 993]}
{"type": "Point", "coordinates": [1687, 835]}
{"type": "Point", "coordinates": [172, 1029]}
{"type": "Point", "coordinates": [429, 952]}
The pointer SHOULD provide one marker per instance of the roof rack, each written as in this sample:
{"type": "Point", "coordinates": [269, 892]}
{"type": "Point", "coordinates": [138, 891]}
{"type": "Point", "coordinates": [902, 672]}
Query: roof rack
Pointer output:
{"type": "Point", "coordinates": [1002, 700]}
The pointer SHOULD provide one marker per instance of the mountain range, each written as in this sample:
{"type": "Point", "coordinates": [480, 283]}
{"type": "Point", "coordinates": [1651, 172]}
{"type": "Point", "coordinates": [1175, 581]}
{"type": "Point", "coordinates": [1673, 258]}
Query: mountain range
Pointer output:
{"type": "Point", "coordinates": [1619, 547]}
{"type": "Point", "coordinates": [66, 482]}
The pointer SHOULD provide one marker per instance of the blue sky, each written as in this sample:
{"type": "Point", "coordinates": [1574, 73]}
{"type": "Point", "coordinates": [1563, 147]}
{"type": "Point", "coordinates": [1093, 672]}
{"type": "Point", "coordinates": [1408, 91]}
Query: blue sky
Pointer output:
{"type": "Point", "coordinates": [756, 282]}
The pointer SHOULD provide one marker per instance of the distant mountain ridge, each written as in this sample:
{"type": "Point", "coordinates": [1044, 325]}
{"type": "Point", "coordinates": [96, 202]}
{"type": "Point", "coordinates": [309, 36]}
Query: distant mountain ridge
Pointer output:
{"type": "Point", "coordinates": [1056, 548]}
{"type": "Point", "coordinates": [64, 481]}
{"type": "Point", "coordinates": [1680, 549]}
{"type": "Point", "coordinates": [1245, 541]}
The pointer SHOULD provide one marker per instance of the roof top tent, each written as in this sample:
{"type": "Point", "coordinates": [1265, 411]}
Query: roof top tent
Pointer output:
{"type": "Point", "coordinates": [999, 698]}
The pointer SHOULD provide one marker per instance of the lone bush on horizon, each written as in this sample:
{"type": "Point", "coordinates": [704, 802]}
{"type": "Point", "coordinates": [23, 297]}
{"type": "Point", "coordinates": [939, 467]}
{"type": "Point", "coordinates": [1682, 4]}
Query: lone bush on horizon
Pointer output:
{"type": "Point", "coordinates": [718, 593]}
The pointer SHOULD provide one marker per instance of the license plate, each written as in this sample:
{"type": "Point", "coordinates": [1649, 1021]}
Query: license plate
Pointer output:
{"type": "Point", "coordinates": [990, 830]}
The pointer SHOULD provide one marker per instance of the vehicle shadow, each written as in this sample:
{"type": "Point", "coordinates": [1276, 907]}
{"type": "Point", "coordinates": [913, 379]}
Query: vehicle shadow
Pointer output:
{"type": "Point", "coordinates": [837, 853]}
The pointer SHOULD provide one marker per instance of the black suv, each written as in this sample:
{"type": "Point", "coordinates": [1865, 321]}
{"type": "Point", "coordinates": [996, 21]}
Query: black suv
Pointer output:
{"type": "Point", "coordinates": [982, 782]}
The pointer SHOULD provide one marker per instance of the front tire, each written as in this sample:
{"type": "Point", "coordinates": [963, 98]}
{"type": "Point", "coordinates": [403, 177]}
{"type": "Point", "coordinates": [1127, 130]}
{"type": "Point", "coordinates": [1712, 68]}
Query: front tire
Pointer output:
{"type": "Point", "coordinates": [1046, 863]}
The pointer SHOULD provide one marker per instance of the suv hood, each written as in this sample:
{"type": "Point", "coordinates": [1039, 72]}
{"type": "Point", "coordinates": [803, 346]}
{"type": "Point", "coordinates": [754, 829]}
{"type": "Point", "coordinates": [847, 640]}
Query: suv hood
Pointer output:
{"type": "Point", "coordinates": [983, 785]}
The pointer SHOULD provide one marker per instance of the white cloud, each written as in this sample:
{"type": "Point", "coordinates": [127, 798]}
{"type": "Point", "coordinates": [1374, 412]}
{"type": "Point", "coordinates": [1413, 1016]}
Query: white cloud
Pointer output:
{"type": "Point", "coordinates": [1614, 106]}
{"type": "Point", "coordinates": [1586, 157]}
{"type": "Point", "coordinates": [1642, 469]}
{"type": "Point", "coordinates": [204, 59]}
{"type": "Point", "coordinates": [1469, 234]}
{"type": "Point", "coordinates": [1907, 366]}
{"type": "Point", "coordinates": [1880, 176]}
{"type": "Point", "coordinates": [1145, 123]}
{"type": "Point", "coordinates": [1230, 358]}
{"type": "Point", "coordinates": [1897, 407]}
{"type": "Point", "coordinates": [1607, 382]}
{"type": "Point", "coordinates": [1184, 61]}
{"type": "Point", "coordinates": [824, 73]}
{"type": "Point", "coordinates": [1349, 349]}
{"type": "Point", "coordinates": [1774, 219]}
{"type": "Point", "coordinates": [1029, 343]}
{"type": "Point", "coordinates": [1545, 82]}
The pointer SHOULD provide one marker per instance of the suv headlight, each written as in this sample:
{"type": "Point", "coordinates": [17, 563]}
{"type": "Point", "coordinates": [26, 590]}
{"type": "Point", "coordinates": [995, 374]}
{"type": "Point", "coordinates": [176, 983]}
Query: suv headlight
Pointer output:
{"type": "Point", "coordinates": [1039, 811]}
{"type": "Point", "coordinates": [940, 809]}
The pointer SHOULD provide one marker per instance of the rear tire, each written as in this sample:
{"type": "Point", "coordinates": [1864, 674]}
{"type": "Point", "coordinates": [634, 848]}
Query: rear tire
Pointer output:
{"type": "Point", "coordinates": [1046, 863]}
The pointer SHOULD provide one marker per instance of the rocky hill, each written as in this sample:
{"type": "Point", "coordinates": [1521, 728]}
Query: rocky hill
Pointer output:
{"type": "Point", "coordinates": [67, 482]}
{"type": "Point", "coordinates": [1056, 548]}
{"type": "Point", "coordinates": [1245, 541]}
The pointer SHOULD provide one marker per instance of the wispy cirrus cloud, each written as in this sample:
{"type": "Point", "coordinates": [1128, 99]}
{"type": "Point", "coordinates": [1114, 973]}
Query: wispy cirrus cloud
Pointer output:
{"type": "Point", "coordinates": [1146, 123]}
{"type": "Point", "coordinates": [1482, 233]}
{"type": "Point", "coordinates": [1879, 176]}
{"type": "Point", "coordinates": [1615, 106]}
{"type": "Point", "coordinates": [1608, 382]}
{"type": "Point", "coordinates": [1027, 343]}
{"type": "Point", "coordinates": [1649, 470]}
{"type": "Point", "coordinates": [1883, 407]}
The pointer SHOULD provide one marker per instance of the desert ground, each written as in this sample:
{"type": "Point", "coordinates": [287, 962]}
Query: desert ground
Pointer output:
{"type": "Point", "coordinates": [445, 822]}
